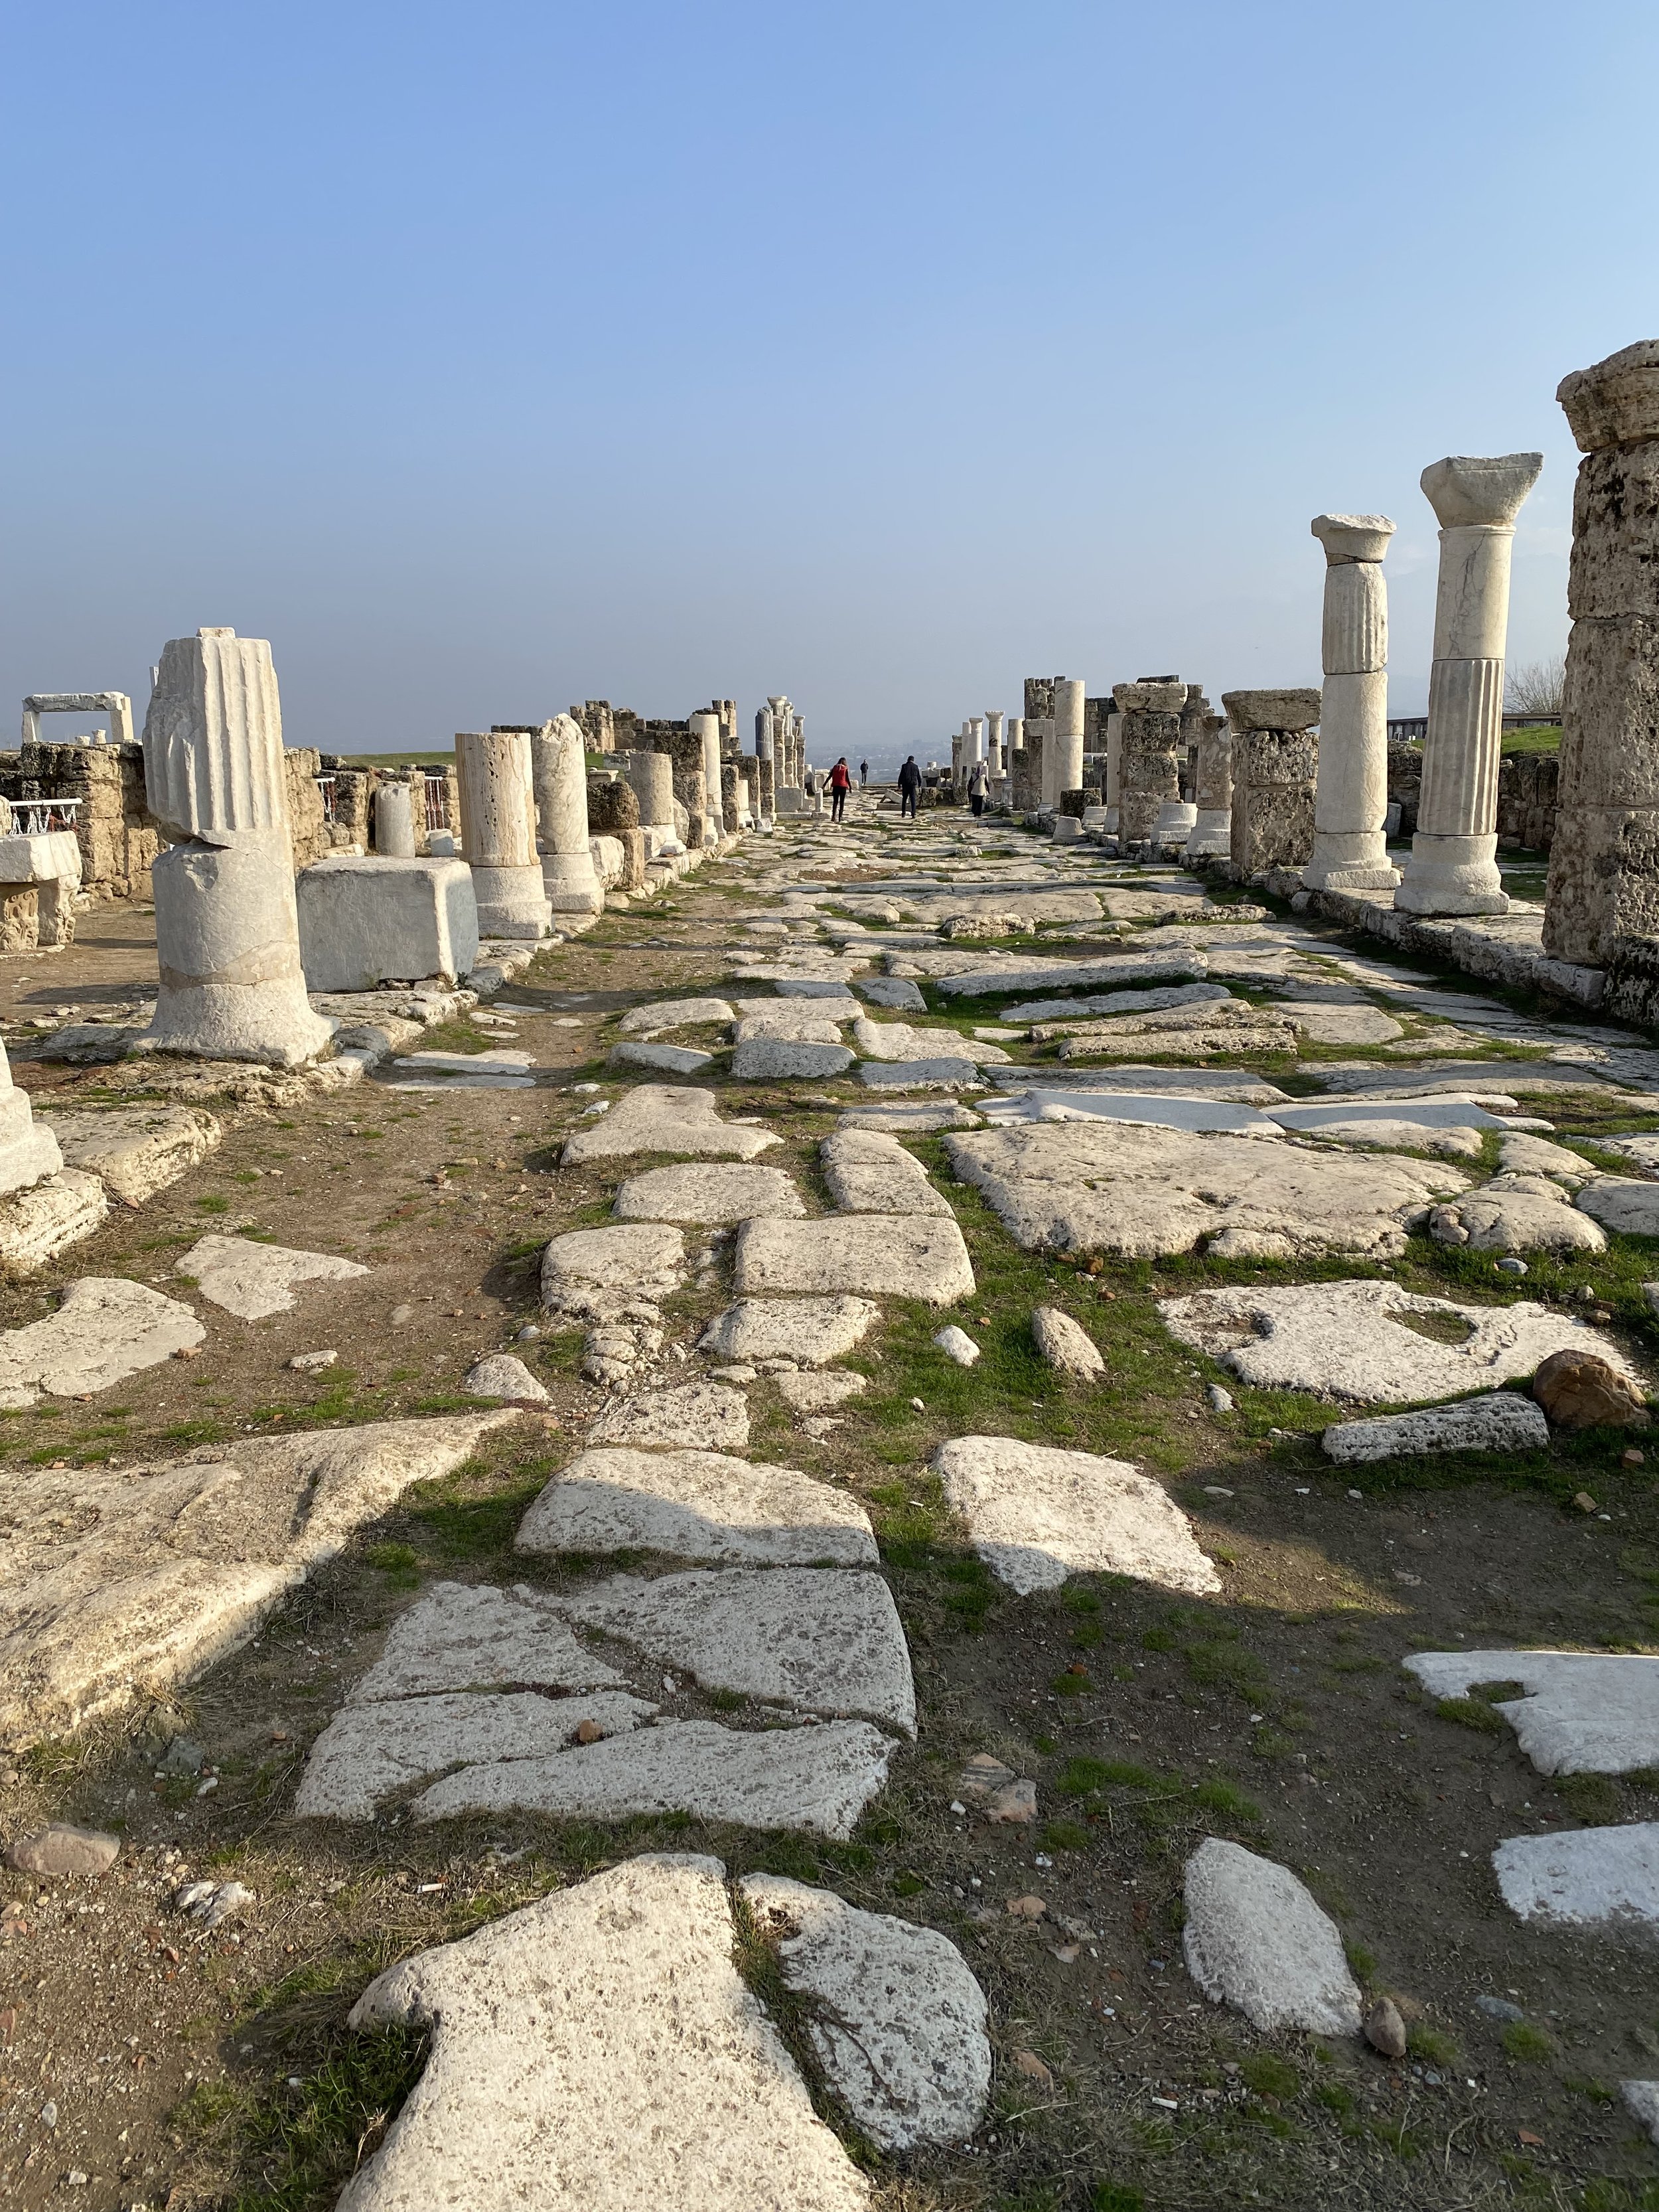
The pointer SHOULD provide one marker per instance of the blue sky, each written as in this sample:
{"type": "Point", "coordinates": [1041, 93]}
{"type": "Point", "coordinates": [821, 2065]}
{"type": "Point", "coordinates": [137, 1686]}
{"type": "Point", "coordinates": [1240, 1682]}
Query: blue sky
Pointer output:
{"type": "Point", "coordinates": [489, 358]}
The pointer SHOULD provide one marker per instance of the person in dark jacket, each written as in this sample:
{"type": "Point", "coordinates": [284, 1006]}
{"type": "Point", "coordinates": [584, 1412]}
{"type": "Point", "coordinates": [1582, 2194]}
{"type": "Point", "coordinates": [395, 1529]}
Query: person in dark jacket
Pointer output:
{"type": "Point", "coordinates": [864, 774]}
{"type": "Point", "coordinates": [841, 782]}
{"type": "Point", "coordinates": [909, 783]}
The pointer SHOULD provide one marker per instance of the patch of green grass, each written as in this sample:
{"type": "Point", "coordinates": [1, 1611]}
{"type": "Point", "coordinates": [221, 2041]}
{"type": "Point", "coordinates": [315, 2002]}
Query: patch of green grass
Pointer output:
{"type": "Point", "coordinates": [213, 1202]}
{"type": "Point", "coordinates": [1594, 1800]}
{"type": "Point", "coordinates": [1335, 2098]}
{"type": "Point", "coordinates": [1116, 2196]}
{"type": "Point", "coordinates": [1528, 2044]}
{"type": "Point", "coordinates": [1083, 1776]}
{"type": "Point", "coordinates": [1232, 1804]}
{"type": "Point", "coordinates": [1222, 1665]}
{"type": "Point", "coordinates": [478, 1528]}
{"type": "Point", "coordinates": [1270, 2077]}
{"type": "Point", "coordinates": [1432, 2044]}
{"type": "Point", "coordinates": [1065, 1836]}
{"type": "Point", "coordinates": [1470, 1713]}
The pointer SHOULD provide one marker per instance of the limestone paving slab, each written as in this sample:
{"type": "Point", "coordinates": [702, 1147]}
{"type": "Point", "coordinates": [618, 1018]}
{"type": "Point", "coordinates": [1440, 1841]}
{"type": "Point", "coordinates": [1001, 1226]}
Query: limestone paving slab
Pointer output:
{"type": "Point", "coordinates": [591, 2053]}
{"type": "Point", "coordinates": [896, 2017]}
{"type": "Point", "coordinates": [1036, 1513]}
{"type": "Point", "coordinates": [952, 1074]}
{"type": "Point", "coordinates": [673, 1014]}
{"type": "Point", "coordinates": [254, 1281]}
{"type": "Point", "coordinates": [824, 1640]}
{"type": "Point", "coordinates": [761, 1059]}
{"type": "Point", "coordinates": [704, 1415]}
{"type": "Point", "coordinates": [1642, 1148]}
{"type": "Point", "coordinates": [460, 1636]}
{"type": "Point", "coordinates": [897, 1119]}
{"type": "Point", "coordinates": [587, 1270]}
{"type": "Point", "coordinates": [135, 1150]}
{"type": "Point", "coordinates": [788, 1021]}
{"type": "Point", "coordinates": [1498, 1420]}
{"type": "Point", "coordinates": [662, 1117]}
{"type": "Point", "coordinates": [658, 1059]}
{"type": "Point", "coordinates": [1631, 1207]}
{"type": "Point", "coordinates": [711, 1192]}
{"type": "Point", "coordinates": [1518, 1213]}
{"type": "Point", "coordinates": [1582, 1712]}
{"type": "Point", "coordinates": [1146, 1001]}
{"type": "Point", "coordinates": [818, 1389]}
{"type": "Point", "coordinates": [812, 1330]}
{"type": "Point", "coordinates": [911, 1256]}
{"type": "Point", "coordinates": [1166, 1113]}
{"type": "Point", "coordinates": [1526, 1155]}
{"type": "Point", "coordinates": [1008, 979]}
{"type": "Point", "coordinates": [1351, 1339]}
{"type": "Point", "coordinates": [902, 1041]}
{"type": "Point", "coordinates": [1398, 1137]}
{"type": "Point", "coordinates": [1255, 1939]}
{"type": "Point", "coordinates": [1583, 1877]}
{"type": "Point", "coordinates": [106, 1328]}
{"type": "Point", "coordinates": [697, 1505]}
{"type": "Point", "coordinates": [866, 1171]}
{"type": "Point", "coordinates": [897, 992]}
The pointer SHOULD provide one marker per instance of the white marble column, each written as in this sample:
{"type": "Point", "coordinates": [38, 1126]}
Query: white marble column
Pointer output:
{"type": "Point", "coordinates": [227, 921]}
{"type": "Point", "coordinates": [706, 724]}
{"type": "Point", "coordinates": [994, 722]}
{"type": "Point", "coordinates": [1351, 799]}
{"type": "Point", "coordinates": [1211, 833]}
{"type": "Point", "coordinates": [558, 760]}
{"type": "Point", "coordinates": [1068, 735]}
{"type": "Point", "coordinates": [27, 1148]}
{"type": "Point", "coordinates": [498, 832]}
{"type": "Point", "coordinates": [1453, 867]}
{"type": "Point", "coordinates": [394, 821]}
{"type": "Point", "coordinates": [975, 738]}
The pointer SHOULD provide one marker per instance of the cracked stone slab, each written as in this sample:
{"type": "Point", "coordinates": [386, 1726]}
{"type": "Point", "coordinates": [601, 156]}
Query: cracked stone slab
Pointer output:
{"type": "Point", "coordinates": [1338, 1025]}
{"type": "Point", "coordinates": [658, 1059]}
{"type": "Point", "coordinates": [919, 1121]}
{"type": "Point", "coordinates": [38, 1224]}
{"type": "Point", "coordinates": [168, 1566]}
{"type": "Point", "coordinates": [1009, 978]}
{"type": "Point", "coordinates": [1642, 1148]}
{"type": "Point", "coordinates": [1581, 1712]}
{"type": "Point", "coordinates": [866, 1171]}
{"type": "Point", "coordinates": [105, 1330]}
{"type": "Point", "coordinates": [712, 1192]}
{"type": "Point", "coordinates": [1583, 1877]}
{"type": "Point", "coordinates": [894, 991]}
{"type": "Point", "coordinates": [673, 1014]}
{"type": "Point", "coordinates": [1499, 1420]}
{"type": "Point", "coordinates": [761, 1060]}
{"type": "Point", "coordinates": [1536, 1156]}
{"type": "Point", "coordinates": [1037, 1514]}
{"type": "Point", "coordinates": [956, 1074]}
{"type": "Point", "coordinates": [1352, 1340]}
{"type": "Point", "coordinates": [1631, 1208]}
{"type": "Point", "coordinates": [1254, 1939]}
{"type": "Point", "coordinates": [813, 1331]}
{"type": "Point", "coordinates": [791, 1021]}
{"type": "Point", "coordinates": [664, 1118]}
{"type": "Point", "coordinates": [704, 1415]}
{"type": "Point", "coordinates": [459, 1636]}
{"type": "Point", "coordinates": [586, 1271]}
{"type": "Point", "coordinates": [824, 1640]}
{"type": "Point", "coordinates": [135, 1150]}
{"type": "Point", "coordinates": [591, 2052]}
{"type": "Point", "coordinates": [698, 1505]}
{"type": "Point", "coordinates": [254, 1281]}
{"type": "Point", "coordinates": [1143, 1192]}
{"type": "Point", "coordinates": [902, 1041]}
{"type": "Point", "coordinates": [1148, 1001]}
{"type": "Point", "coordinates": [1398, 1137]}
{"type": "Point", "coordinates": [1518, 1213]}
{"type": "Point", "coordinates": [875, 1253]}
{"type": "Point", "coordinates": [896, 2017]}
{"type": "Point", "coordinates": [816, 1778]}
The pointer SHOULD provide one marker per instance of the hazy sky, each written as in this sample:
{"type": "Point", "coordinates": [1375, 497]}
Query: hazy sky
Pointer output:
{"type": "Point", "coordinates": [489, 357]}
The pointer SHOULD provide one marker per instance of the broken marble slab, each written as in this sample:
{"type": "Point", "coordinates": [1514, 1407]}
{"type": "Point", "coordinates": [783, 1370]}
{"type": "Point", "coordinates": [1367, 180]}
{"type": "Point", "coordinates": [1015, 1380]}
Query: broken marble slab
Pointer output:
{"type": "Point", "coordinates": [1630, 1207]}
{"type": "Point", "coordinates": [1581, 1712]}
{"type": "Point", "coordinates": [1143, 1192]}
{"type": "Point", "coordinates": [588, 1272]}
{"type": "Point", "coordinates": [1255, 1939]}
{"type": "Point", "coordinates": [698, 1505]}
{"type": "Point", "coordinates": [703, 1416]}
{"type": "Point", "coordinates": [38, 1224]}
{"type": "Point", "coordinates": [125, 1582]}
{"type": "Point", "coordinates": [1583, 1877]}
{"type": "Point", "coordinates": [980, 978]}
{"type": "Point", "coordinates": [500, 1070]}
{"type": "Point", "coordinates": [791, 1021]}
{"type": "Point", "coordinates": [1338, 1025]}
{"type": "Point", "coordinates": [1353, 1340]}
{"type": "Point", "coordinates": [503, 1375]}
{"type": "Point", "coordinates": [897, 2020]}
{"type": "Point", "coordinates": [764, 1060]}
{"type": "Point", "coordinates": [868, 1172]}
{"type": "Point", "coordinates": [135, 1150]}
{"type": "Point", "coordinates": [1232, 1085]}
{"type": "Point", "coordinates": [815, 1778]}
{"type": "Point", "coordinates": [673, 1014]}
{"type": "Point", "coordinates": [1517, 1214]}
{"type": "Point", "coordinates": [662, 1117]}
{"type": "Point", "coordinates": [1036, 1513]}
{"type": "Point", "coordinates": [1642, 1148]}
{"type": "Point", "coordinates": [105, 1329]}
{"type": "Point", "coordinates": [1642, 2103]}
{"type": "Point", "coordinates": [463, 1636]}
{"type": "Point", "coordinates": [1526, 1155]}
{"type": "Point", "coordinates": [1150, 1001]}
{"type": "Point", "coordinates": [658, 1059]}
{"type": "Point", "coordinates": [1498, 1420]}
{"type": "Point", "coordinates": [253, 1281]}
{"type": "Point", "coordinates": [894, 991]}
{"type": "Point", "coordinates": [1169, 1112]}
{"type": "Point", "coordinates": [813, 1331]}
{"type": "Point", "coordinates": [1428, 1113]}
{"type": "Point", "coordinates": [591, 2052]}
{"type": "Point", "coordinates": [711, 1192]}
{"type": "Point", "coordinates": [954, 1073]}
{"type": "Point", "coordinates": [907, 1256]}
{"type": "Point", "coordinates": [820, 1639]}
{"type": "Point", "coordinates": [902, 1041]}
{"type": "Point", "coordinates": [898, 1120]}
{"type": "Point", "coordinates": [1456, 1143]}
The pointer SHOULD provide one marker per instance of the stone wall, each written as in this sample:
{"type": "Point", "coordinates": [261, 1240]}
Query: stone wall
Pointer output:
{"type": "Point", "coordinates": [117, 833]}
{"type": "Point", "coordinates": [1526, 788]}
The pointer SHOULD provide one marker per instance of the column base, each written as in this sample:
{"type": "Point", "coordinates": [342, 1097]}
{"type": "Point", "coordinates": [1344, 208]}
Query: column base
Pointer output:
{"type": "Point", "coordinates": [1452, 874]}
{"type": "Point", "coordinates": [512, 901]}
{"type": "Point", "coordinates": [227, 946]}
{"type": "Point", "coordinates": [1174, 822]}
{"type": "Point", "coordinates": [1349, 860]}
{"type": "Point", "coordinates": [571, 884]}
{"type": "Point", "coordinates": [1212, 834]}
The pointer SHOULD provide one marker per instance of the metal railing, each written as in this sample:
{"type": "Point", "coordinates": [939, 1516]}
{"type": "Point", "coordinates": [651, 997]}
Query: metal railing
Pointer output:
{"type": "Point", "coordinates": [325, 785]}
{"type": "Point", "coordinates": [437, 801]}
{"type": "Point", "coordinates": [37, 818]}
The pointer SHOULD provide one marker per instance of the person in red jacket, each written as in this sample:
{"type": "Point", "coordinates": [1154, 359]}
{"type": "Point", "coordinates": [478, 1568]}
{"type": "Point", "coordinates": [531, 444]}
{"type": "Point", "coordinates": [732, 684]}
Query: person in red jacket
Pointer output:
{"type": "Point", "coordinates": [841, 779]}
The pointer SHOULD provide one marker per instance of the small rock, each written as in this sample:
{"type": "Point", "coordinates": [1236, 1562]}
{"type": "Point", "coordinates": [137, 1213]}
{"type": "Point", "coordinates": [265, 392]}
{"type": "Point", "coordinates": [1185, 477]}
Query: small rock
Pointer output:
{"type": "Point", "coordinates": [916, 1405]}
{"type": "Point", "coordinates": [589, 1732]}
{"type": "Point", "coordinates": [501, 1375]}
{"type": "Point", "coordinates": [528, 1334]}
{"type": "Point", "coordinates": [312, 1363]}
{"type": "Point", "coordinates": [1067, 1347]}
{"type": "Point", "coordinates": [1028, 2063]}
{"type": "Point", "coordinates": [1632, 1458]}
{"type": "Point", "coordinates": [212, 1903]}
{"type": "Point", "coordinates": [1584, 1501]}
{"type": "Point", "coordinates": [956, 1344]}
{"type": "Point", "coordinates": [1220, 1401]}
{"type": "Point", "coordinates": [184, 1755]}
{"type": "Point", "coordinates": [1014, 1805]}
{"type": "Point", "coordinates": [402, 1316]}
{"type": "Point", "coordinates": [1026, 1908]}
{"type": "Point", "coordinates": [61, 1849]}
{"type": "Point", "coordinates": [1385, 2031]}
{"type": "Point", "coordinates": [1511, 1267]}
{"type": "Point", "coordinates": [1582, 1390]}
{"type": "Point", "coordinates": [1498, 2009]}
{"type": "Point", "coordinates": [49, 2114]}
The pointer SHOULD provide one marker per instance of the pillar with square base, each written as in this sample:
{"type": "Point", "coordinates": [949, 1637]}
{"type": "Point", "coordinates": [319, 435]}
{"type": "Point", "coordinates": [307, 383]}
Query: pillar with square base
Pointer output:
{"type": "Point", "coordinates": [498, 832]}
{"type": "Point", "coordinates": [1349, 852]}
{"type": "Point", "coordinates": [558, 769]}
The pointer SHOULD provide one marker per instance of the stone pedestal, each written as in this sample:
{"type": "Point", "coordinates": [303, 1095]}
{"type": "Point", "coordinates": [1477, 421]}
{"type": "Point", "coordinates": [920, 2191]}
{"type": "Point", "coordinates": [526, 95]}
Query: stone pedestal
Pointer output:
{"type": "Point", "coordinates": [1149, 722]}
{"type": "Point", "coordinates": [1114, 764]}
{"type": "Point", "coordinates": [367, 920]}
{"type": "Point", "coordinates": [1453, 867]}
{"type": "Point", "coordinates": [394, 824]}
{"type": "Point", "coordinates": [1604, 863]}
{"type": "Point", "coordinates": [498, 832]}
{"type": "Point", "coordinates": [1211, 832]}
{"type": "Point", "coordinates": [1349, 852]}
{"type": "Point", "coordinates": [1275, 766]}
{"type": "Point", "coordinates": [40, 876]}
{"type": "Point", "coordinates": [26, 1152]}
{"type": "Point", "coordinates": [651, 777]}
{"type": "Point", "coordinates": [558, 768]}
{"type": "Point", "coordinates": [1176, 821]}
{"type": "Point", "coordinates": [227, 927]}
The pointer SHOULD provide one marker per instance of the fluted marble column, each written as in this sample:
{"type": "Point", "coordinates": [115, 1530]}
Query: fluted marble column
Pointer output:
{"type": "Point", "coordinates": [1351, 798]}
{"type": "Point", "coordinates": [1453, 867]}
{"type": "Point", "coordinates": [1211, 833]}
{"type": "Point", "coordinates": [994, 741]}
{"type": "Point", "coordinates": [1068, 739]}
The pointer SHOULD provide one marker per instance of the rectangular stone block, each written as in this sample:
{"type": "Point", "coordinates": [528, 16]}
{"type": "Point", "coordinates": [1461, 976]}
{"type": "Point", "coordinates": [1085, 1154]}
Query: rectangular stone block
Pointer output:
{"type": "Point", "coordinates": [1610, 715]}
{"type": "Point", "coordinates": [1603, 881]}
{"type": "Point", "coordinates": [1614, 565]}
{"type": "Point", "coordinates": [369, 920]}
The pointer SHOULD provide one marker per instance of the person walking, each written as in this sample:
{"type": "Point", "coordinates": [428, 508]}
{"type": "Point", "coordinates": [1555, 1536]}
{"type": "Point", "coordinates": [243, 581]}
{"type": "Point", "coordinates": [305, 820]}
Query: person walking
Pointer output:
{"type": "Point", "coordinates": [864, 774]}
{"type": "Point", "coordinates": [909, 783]}
{"type": "Point", "coordinates": [841, 782]}
{"type": "Point", "coordinates": [979, 787]}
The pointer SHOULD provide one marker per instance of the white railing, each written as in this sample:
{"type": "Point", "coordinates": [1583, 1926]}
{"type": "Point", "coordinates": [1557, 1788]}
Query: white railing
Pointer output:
{"type": "Point", "coordinates": [437, 801]}
{"type": "Point", "coordinates": [325, 785]}
{"type": "Point", "coordinates": [37, 818]}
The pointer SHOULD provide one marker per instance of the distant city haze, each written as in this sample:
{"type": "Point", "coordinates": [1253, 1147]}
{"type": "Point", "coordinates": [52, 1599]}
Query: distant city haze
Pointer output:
{"type": "Point", "coordinates": [487, 360]}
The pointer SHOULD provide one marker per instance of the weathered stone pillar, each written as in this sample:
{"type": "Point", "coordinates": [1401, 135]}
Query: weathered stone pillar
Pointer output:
{"type": "Point", "coordinates": [707, 726]}
{"type": "Point", "coordinates": [1149, 714]}
{"type": "Point", "coordinates": [227, 922]}
{"type": "Point", "coordinates": [766, 780]}
{"type": "Point", "coordinates": [1211, 833]}
{"type": "Point", "coordinates": [394, 821]}
{"type": "Point", "coordinates": [994, 741]}
{"type": "Point", "coordinates": [1067, 773]}
{"type": "Point", "coordinates": [558, 764]}
{"type": "Point", "coordinates": [498, 832]}
{"type": "Point", "coordinates": [1110, 794]}
{"type": "Point", "coordinates": [1349, 851]}
{"type": "Point", "coordinates": [1275, 764]}
{"type": "Point", "coordinates": [1604, 863]}
{"type": "Point", "coordinates": [651, 778]}
{"type": "Point", "coordinates": [1453, 867]}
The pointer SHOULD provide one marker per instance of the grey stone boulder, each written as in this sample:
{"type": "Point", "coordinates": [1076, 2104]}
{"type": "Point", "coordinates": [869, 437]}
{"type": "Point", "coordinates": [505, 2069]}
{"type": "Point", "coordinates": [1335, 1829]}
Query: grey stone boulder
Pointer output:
{"type": "Point", "coordinates": [897, 992]}
{"type": "Point", "coordinates": [1500, 1421]}
{"type": "Point", "coordinates": [1066, 1345]}
{"type": "Point", "coordinates": [1254, 1939]}
{"type": "Point", "coordinates": [953, 1073]}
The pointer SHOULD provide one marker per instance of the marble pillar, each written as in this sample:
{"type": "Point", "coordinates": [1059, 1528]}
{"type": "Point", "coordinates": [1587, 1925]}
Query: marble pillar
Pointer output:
{"type": "Point", "coordinates": [651, 777]}
{"type": "Point", "coordinates": [1275, 766]}
{"type": "Point", "coordinates": [1211, 832]}
{"type": "Point", "coordinates": [394, 821]}
{"type": "Point", "coordinates": [227, 921]}
{"type": "Point", "coordinates": [1149, 714]}
{"type": "Point", "coordinates": [1068, 737]}
{"type": "Point", "coordinates": [1349, 851]}
{"type": "Point", "coordinates": [558, 764]}
{"type": "Point", "coordinates": [707, 726]}
{"type": "Point", "coordinates": [498, 832]}
{"type": "Point", "coordinates": [994, 722]}
{"type": "Point", "coordinates": [1453, 867]}
{"type": "Point", "coordinates": [975, 738]}
{"type": "Point", "coordinates": [1603, 890]}
{"type": "Point", "coordinates": [27, 1148]}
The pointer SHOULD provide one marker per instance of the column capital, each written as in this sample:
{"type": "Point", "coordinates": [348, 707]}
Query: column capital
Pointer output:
{"type": "Point", "coordinates": [1469, 493]}
{"type": "Point", "coordinates": [1353, 536]}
